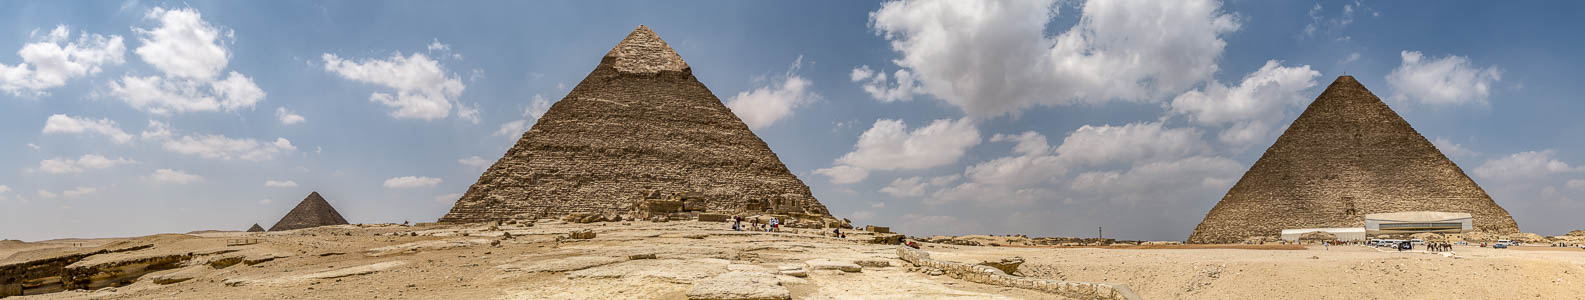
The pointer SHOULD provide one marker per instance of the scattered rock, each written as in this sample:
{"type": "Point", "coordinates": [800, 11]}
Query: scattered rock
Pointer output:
{"type": "Point", "coordinates": [178, 275]}
{"type": "Point", "coordinates": [581, 234]}
{"type": "Point", "coordinates": [873, 263]}
{"type": "Point", "coordinates": [354, 271]}
{"type": "Point", "coordinates": [1007, 265]}
{"type": "Point", "coordinates": [793, 270]}
{"type": "Point", "coordinates": [738, 286]}
{"type": "Point", "coordinates": [561, 265]}
{"type": "Point", "coordinates": [641, 256]}
{"type": "Point", "coordinates": [824, 264]}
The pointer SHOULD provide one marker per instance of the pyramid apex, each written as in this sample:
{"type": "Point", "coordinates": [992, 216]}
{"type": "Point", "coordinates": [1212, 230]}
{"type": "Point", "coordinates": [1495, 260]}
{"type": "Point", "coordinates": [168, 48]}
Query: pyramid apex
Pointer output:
{"type": "Point", "coordinates": [644, 52]}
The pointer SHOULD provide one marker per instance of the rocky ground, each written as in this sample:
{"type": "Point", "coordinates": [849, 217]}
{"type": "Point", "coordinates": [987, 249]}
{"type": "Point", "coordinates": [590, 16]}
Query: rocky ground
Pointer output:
{"type": "Point", "coordinates": [704, 260]}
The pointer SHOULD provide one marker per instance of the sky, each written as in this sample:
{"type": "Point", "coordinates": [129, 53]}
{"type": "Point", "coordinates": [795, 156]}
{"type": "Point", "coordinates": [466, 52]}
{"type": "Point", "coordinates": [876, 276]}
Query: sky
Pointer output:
{"type": "Point", "coordinates": [1044, 118]}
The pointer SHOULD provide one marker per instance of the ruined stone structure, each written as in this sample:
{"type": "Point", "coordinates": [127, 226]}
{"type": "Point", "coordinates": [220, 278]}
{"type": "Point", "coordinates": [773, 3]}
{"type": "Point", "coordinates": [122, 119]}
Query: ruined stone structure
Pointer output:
{"type": "Point", "coordinates": [991, 275]}
{"type": "Point", "coordinates": [1347, 155]}
{"type": "Point", "coordinates": [256, 228]}
{"type": "Point", "coordinates": [638, 124]}
{"type": "Point", "coordinates": [314, 211]}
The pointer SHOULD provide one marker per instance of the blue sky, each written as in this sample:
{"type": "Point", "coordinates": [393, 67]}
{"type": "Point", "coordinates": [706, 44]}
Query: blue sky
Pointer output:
{"type": "Point", "coordinates": [1028, 117]}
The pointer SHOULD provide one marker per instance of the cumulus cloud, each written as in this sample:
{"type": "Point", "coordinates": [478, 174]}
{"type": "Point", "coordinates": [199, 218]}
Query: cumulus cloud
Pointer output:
{"type": "Point", "coordinates": [53, 58]}
{"type": "Point", "coordinates": [1253, 107]}
{"type": "Point", "coordinates": [156, 130]}
{"type": "Point", "coordinates": [916, 186]}
{"type": "Point", "coordinates": [226, 148]}
{"type": "Point", "coordinates": [411, 182]}
{"type": "Point", "coordinates": [280, 183]}
{"type": "Point", "coordinates": [844, 174]}
{"type": "Point", "coordinates": [1097, 145]}
{"type": "Point", "coordinates": [535, 109]}
{"type": "Point", "coordinates": [889, 145]}
{"type": "Point", "coordinates": [1450, 80]}
{"type": "Point", "coordinates": [1122, 164]}
{"type": "Point", "coordinates": [474, 161]}
{"type": "Point", "coordinates": [4, 189]}
{"type": "Point", "coordinates": [288, 117]}
{"type": "Point", "coordinates": [765, 105]}
{"type": "Point", "coordinates": [1323, 25]}
{"type": "Point", "coordinates": [174, 176]}
{"type": "Point", "coordinates": [991, 58]}
{"type": "Point", "coordinates": [423, 88]}
{"type": "Point", "coordinates": [1572, 183]}
{"type": "Point", "coordinates": [88, 161]}
{"type": "Point", "coordinates": [1452, 149]}
{"type": "Point", "coordinates": [1524, 166]}
{"type": "Point", "coordinates": [59, 123]}
{"type": "Point", "coordinates": [191, 54]}
{"type": "Point", "coordinates": [883, 88]}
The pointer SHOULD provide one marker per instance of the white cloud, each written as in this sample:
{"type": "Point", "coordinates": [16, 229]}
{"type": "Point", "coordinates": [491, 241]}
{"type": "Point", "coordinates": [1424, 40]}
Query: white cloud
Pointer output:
{"type": "Point", "coordinates": [88, 161]}
{"type": "Point", "coordinates": [537, 107]}
{"type": "Point", "coordinates": [881, 88]}
{"type": "Point", "coordinates": [59, 123]}
{"type": "Point", "coordinates": [1253, 107]}
{"type": "Point", "coordinates": [424, 88]}
{"type": "Point", "coordinates": [1523, 166]}
{"type": "Point", "coordinates": [174, 176]}
{"type": "Point", "coordinates": [889, 145]}
{"type": "Point", "coordinates": [288, 117]}
{"type": "Point", "coordinates": [1450, 80]}
{"type": "Point", "coordinates": [515, 128]}
{"type": "Point", "coordinates": [280, 183]}
{"type": "Point", "coordinates": [474, 161]}
{"type": "Point", "coordinates": [448, 198]}
{"type": "Point", "coordinates": [156, 130]}
{"type": "Point", "coordinates": [191, 54]}
{"type": "Point", "coordinates": [80, 191]}
{"type": "Point", "coordinates": [512, 129]}
{"type": "Point", "coordinates": [916, 186]}
{"type": "Point", "coordinates": [184, 45]}
{"type": "Point", "coordinates": [844, 174]}
{"type": "Point", "coordinates": [47, 194]}
{"type": "Point", "coordinates": [765, 105]}
{"type": "Point", "coordinates": [1572, 183]}
{"type": "Point", "coordinates": [1333, 27]}
{"type": "Point", "coordinates": [34, 146]}
{"type": "Point", "coordinates": [47, 63]}
{"type": "Point", "coordinates": [225, 148]}
{"type": "Point", "coordinates": [4, 189]}
{"type": "Point", "coordinates": [1097, 145]}
{"type": "Point", "coordinates": [266, 201]}
{"type": "Point", "coordinates": [991, 58]}
{"type": "Point", "coordinates": [1159, 180]}
{"type": "Point", "coordinates": [468, 113]}
{"type": "Point", "coordinates": [411, 182]}
{"type": "Point", "coordinates": [1452, 149]}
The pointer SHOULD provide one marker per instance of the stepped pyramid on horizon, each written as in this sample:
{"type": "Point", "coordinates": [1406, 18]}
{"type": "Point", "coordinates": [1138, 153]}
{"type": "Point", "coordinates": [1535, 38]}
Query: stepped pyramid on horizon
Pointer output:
{"type": "Point", "coordinates": [638, 125]}
{"type": "Point", "coordinates": [1346, 156]}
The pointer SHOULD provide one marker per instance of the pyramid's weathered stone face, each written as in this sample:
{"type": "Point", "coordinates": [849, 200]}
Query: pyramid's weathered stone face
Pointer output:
{"type": "Point", "coordinates": [1347, 155]}
{"type": "Point", "coordinates": [314, 211]}
{"type": "Point", "coordinates": [639, 122]}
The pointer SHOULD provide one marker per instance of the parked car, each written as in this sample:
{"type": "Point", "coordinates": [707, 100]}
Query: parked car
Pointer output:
{"type": "Point", "coordinates": [1500, 245]}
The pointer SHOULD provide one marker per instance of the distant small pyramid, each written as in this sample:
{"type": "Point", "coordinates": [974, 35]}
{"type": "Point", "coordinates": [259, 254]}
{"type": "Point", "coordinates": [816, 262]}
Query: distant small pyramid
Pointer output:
{"type": "Point", "coordinates": [314, 211]}
{"type": "Point", "coordinates": [256, 228]}
{"type": "Point", "coordinates": [1346, 156]}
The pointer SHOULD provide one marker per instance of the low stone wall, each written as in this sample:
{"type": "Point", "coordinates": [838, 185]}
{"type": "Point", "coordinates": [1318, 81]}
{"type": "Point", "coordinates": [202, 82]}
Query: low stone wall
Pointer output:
{"type": "Point", "coordinates": [993, 276]}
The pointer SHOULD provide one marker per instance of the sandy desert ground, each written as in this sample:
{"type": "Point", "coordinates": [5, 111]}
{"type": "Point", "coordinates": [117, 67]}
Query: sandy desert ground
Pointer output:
{"type": "Point", "coordinates": [676, 260]}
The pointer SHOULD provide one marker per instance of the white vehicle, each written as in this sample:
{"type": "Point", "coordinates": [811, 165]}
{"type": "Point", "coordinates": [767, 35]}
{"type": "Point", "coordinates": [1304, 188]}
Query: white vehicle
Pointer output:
{"type": "Point", "coordinates": [1417, 241]}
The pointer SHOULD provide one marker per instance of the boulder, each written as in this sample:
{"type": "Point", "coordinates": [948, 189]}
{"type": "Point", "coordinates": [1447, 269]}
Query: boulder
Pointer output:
{"type": "Point", "coordinates": [793, 270]}
{"type": "Point", "coordinates": [873, 263]}
{"type": "Point", "coordinates": [877, 229]}
{"type": "Point", "coordinates": [581, 234]}
{"type": "Point", "coordinates": [886, 239]}
{"type": "Point", "coordinates": [739, 286]}
{"type": "Point", "coordinates": [1007, 265]}
{"type": "Point", "coordinates": [825, 264]}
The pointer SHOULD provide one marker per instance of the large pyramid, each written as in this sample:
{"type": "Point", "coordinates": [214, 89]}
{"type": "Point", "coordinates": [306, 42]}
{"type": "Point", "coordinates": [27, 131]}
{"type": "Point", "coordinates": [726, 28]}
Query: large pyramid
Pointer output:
{"type": "Point", "coordinates": [638, 125]}
{"type": "Point", "coordinates": [1348, 155]}
{"type": "Point", "coordinates": [256, 228]}
{"type": "Point", "coordinates": [314, 211]}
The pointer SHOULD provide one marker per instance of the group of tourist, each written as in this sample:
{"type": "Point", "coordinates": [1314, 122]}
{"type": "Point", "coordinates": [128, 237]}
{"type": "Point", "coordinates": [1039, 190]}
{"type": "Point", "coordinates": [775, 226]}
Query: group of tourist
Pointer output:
{"type": "Point", "coordinates": [773, 225]}
{"type": "Point", "coordinates": [1439, 246]}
